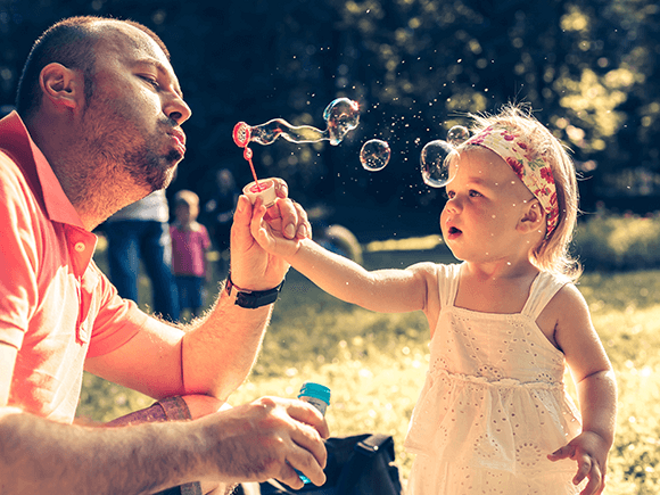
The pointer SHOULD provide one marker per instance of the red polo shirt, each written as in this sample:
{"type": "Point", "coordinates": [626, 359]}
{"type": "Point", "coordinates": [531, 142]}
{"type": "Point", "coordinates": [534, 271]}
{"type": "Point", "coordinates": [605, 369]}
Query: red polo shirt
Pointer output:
{"type": "Point", "coordinates": [56, 306]}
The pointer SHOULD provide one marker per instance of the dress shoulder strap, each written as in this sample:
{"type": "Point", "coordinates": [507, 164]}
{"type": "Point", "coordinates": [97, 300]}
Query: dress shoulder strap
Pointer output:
{"type": "Point", "coordinates": [448, 276]}
{"type": "Point", "coordinates": [543, 289]}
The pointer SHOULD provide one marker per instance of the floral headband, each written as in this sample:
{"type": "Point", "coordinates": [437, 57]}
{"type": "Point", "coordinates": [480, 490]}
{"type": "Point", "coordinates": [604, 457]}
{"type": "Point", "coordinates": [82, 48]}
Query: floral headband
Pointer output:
{"type": "Point", "coordinates": [536, 174]}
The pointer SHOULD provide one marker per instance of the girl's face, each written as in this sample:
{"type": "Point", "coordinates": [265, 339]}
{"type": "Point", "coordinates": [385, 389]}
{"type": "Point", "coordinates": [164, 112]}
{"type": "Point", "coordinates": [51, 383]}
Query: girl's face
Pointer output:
{"type": "Point", "coordinates": [486, 201]}
{"type": "Point", "coordinates": [185, 213]}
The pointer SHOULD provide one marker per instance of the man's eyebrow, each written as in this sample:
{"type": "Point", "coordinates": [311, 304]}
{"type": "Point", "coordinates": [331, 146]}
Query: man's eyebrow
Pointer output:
{"type": "Point", "coordinates": [161, 69]}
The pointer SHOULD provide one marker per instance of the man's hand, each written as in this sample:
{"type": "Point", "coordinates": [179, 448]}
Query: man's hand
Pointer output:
{"type": "Point", "coordinates": [266, 439]}
{"type": "Point", "coordinates": [253, 268]}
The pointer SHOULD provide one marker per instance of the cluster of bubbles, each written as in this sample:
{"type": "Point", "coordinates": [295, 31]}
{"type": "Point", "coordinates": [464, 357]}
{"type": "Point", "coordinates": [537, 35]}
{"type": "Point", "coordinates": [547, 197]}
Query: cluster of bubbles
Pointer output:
{"type": "Point", "coordinates": [435, 159]}
{"type": "Point", "coordinates": [342, 116]}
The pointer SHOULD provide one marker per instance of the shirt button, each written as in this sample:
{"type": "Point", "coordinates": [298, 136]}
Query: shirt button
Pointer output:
{"type": "Point", "coordinates": [79, 247]}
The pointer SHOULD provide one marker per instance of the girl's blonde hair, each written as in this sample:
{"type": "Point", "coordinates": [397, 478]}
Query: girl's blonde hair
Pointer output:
{"type": "Point", "coordinates": [552, 253]}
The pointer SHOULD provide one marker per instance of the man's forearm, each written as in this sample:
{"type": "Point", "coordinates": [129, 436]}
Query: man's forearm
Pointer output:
{"type": "Point", "coordinates": [220, 352]}
{"type": "Point", "coordinates": [40, 456]}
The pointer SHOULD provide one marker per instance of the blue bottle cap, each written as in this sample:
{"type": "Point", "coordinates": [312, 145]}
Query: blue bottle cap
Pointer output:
{"type": "Point", "coordinates": [311, 389]}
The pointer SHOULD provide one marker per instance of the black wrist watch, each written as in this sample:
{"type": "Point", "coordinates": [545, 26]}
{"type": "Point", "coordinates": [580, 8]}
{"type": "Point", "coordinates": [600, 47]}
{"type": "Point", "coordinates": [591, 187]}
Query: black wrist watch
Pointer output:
{"type": "Point", "coordinates": [252, 299]}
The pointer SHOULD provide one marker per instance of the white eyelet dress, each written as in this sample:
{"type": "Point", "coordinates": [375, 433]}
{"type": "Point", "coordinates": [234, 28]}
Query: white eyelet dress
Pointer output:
{"type": "Point", "coordinates": [494, 403]}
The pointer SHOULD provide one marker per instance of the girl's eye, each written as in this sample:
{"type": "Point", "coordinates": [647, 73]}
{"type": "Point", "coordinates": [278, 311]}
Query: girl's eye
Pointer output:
{"type": "Point", "coordinates": [474, 194]}
{"type": "Point", "coordinates": [449, 194]}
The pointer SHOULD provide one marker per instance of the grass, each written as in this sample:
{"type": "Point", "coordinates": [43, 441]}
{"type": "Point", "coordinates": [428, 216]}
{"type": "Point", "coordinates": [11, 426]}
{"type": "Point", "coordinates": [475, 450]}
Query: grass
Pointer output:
{"type": "Point", "coordinates": [375, 364]}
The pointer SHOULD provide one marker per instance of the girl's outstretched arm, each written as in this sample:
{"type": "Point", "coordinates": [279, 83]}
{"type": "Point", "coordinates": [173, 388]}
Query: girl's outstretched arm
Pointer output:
{"type": "Point", "coordinates": [385, 291]}
{"type": "Point", "coordinates": [596, 386]}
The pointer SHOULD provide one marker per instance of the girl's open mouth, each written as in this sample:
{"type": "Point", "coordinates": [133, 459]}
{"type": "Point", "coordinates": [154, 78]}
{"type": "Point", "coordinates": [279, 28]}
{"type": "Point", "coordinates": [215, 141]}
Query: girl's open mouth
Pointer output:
{"type": "Point", "coordinates": [453, 233]}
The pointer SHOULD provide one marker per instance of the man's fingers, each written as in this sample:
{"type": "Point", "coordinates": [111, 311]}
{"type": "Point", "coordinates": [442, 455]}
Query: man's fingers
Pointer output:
{"type": "Point", "coordinates": [256, 221]}
{"type": "Point", "coordinates": [311, 447]}
{"type": "Point", "coordinates": [281, 187]}
{"type": "Point", "coordinates": [243, 212]}
{"type": "Point", "coordinates": [304, 462]}
{"type": "Point", "coordinates": [305, 413]}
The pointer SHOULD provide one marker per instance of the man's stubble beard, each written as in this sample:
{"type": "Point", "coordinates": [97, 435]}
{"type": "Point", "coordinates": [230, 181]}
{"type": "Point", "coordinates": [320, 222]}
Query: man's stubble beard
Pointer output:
{"type": "Point", "coordinates": [149, 170]}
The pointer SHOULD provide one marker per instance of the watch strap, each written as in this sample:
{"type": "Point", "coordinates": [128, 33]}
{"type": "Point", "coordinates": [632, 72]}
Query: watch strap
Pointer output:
{"type": "Point", "coordinates": [253, 299]}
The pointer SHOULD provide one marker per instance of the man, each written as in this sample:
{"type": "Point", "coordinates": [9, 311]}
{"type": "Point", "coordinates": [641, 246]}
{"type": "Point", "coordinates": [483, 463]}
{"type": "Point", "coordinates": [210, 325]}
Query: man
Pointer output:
{"type": "Point", "coordinates": [99, 128]}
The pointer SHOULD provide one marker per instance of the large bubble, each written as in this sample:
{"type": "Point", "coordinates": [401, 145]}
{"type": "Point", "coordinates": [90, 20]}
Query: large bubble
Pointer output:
{"type": "Point", "coordinates": [341, 115]}
{"type": "Point", "coordinates": [435, 163]}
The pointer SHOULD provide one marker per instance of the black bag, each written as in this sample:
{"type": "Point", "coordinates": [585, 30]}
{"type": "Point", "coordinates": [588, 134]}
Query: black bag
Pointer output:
{"type": "Point", "coordinates": [357, 465]}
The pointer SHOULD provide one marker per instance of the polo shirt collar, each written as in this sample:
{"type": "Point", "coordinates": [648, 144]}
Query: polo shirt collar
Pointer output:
{"type": "Point", "coordinates": [15, 138]}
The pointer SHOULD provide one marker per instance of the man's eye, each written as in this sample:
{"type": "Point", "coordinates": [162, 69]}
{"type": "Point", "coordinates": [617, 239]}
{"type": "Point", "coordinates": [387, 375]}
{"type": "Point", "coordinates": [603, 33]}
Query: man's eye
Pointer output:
{"type": "Point", "coordinates": [151, 81]}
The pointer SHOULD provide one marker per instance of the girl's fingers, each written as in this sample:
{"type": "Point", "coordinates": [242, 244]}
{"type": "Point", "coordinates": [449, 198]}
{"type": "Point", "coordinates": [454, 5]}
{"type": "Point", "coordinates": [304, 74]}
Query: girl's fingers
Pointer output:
{"type": "Point", "coordinates": [564, 452]}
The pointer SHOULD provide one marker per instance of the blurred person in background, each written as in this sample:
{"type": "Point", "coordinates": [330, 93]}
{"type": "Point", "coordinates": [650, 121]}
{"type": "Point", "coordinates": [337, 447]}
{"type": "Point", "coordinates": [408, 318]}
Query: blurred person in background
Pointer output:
{"type": "Point", "coordinates": [219, 211]}
{"type": "Point", "coordinates": [190, 246]}
{"type": "Point", "coordinates": [140, 232]}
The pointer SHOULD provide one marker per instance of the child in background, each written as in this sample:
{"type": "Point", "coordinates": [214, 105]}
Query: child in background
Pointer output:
{"type": "Point", "coordinates": [190, 243]}
{"type": "Point", "coordinates": [493, 415]}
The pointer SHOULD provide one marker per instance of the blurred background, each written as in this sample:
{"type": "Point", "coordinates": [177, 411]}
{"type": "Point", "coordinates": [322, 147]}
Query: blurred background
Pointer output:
{"type": "Point", "coordinates": [588, 67]}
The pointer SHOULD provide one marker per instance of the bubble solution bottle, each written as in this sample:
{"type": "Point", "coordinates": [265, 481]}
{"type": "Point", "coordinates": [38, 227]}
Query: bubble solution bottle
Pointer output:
{"type": "Point", "coordinates": [319, 396]}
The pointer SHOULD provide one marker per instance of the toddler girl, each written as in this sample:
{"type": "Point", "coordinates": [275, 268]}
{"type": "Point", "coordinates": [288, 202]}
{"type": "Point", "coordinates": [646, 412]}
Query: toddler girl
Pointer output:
{"type": "Point", "coordinates": [190, 244]}
{"type": "Point", "coordinates": [493, 415]}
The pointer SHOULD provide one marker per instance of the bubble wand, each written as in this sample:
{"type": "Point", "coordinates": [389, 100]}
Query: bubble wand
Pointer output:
{"type": "Point", "coordinates": [341, 116]}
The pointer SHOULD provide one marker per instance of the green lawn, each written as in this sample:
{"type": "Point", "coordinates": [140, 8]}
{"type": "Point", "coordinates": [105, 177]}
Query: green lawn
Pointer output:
{"type": "Point", "coordinates": [375, 364]}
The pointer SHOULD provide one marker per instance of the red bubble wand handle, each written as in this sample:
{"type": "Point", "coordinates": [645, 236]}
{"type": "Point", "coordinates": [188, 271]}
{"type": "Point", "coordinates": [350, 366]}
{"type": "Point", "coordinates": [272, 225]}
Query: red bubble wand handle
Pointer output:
{"type": "Point", "coordinates": [241, 135]}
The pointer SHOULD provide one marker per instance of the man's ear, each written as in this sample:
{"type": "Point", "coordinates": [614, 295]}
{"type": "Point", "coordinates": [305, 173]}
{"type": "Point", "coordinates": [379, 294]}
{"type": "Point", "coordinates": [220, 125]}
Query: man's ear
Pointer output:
{"type": "Point", "coordinates": [61, 86]}
{"type": "Point", "coordinates": [533, 217]}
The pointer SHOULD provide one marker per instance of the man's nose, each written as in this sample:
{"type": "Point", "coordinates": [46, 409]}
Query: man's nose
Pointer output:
{"type": "Point", "coordinates": [177, 109]}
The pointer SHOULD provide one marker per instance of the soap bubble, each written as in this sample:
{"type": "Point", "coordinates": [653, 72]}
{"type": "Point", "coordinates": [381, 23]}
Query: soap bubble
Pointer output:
{"type": "Point", "coordinates": [458, 135]}
{"type": "Point", "coordinates": [374, 155]}
{"type": "Point", "coordinates": [341, 115]}
{"type": "Point", "coordinates": [435, 160]}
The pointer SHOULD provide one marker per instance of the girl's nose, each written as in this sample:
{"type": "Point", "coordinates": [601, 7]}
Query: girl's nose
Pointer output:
{"type": "Point", "coordinates": [453, 205]}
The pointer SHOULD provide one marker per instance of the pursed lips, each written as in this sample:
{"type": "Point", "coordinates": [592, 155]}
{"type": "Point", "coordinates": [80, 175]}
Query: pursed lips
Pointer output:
{"type": "Point", "coordinates": [180, 136]}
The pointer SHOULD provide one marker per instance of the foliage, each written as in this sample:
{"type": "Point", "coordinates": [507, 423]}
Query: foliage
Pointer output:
{"type": "Point", "coordinates": [619, 242]}
{"type": "Point", "coordinates": [375, 363]}
{"type": "Point", "coordinates": [626, 314]}
{"type": "Point", "coordinates": [589, 67]}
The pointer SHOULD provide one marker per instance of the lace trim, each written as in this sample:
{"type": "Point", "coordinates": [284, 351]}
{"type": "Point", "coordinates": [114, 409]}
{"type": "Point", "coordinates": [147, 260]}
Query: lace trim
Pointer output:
{"type": "Point", "coordinates": [499, 383]}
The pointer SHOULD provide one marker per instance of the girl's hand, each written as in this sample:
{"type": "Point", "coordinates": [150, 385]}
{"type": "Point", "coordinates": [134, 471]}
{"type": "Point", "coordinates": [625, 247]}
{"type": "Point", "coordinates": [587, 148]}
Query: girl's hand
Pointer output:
{"type": "Point", "coordinates": [273, 235]}
{"type": "Point", "coordinates": [252, 267]}
{"type": "Point", "coordinates": [590, 451]}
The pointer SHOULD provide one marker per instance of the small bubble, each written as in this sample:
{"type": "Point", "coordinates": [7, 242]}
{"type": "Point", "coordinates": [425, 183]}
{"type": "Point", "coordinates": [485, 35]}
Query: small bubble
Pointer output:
{"type": "Point", "coordinates": [375, 155]}
{"type": "Point", "coordinates": [457, 135]}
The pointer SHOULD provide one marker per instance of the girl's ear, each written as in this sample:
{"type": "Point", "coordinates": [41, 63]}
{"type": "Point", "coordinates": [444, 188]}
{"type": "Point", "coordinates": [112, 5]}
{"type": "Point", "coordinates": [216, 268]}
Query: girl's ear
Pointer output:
{"type": "Point", "coordinates": [533, 218]}
{"type": "Point", "coordinates": [61, 87]}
